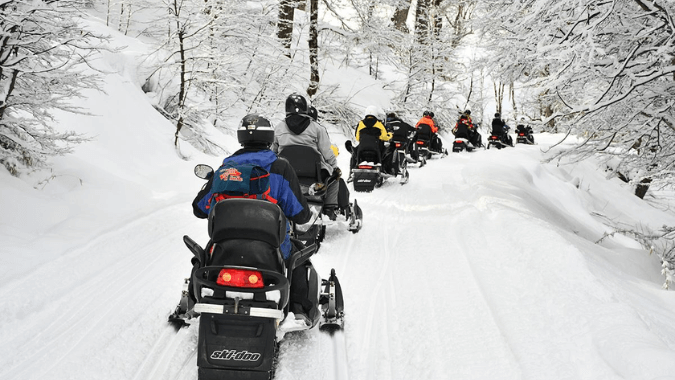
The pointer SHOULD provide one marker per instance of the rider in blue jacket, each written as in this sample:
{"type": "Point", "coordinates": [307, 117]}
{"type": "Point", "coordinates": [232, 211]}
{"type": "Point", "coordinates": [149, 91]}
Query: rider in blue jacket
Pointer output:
{"type": "Point", "coordinates": [285, 190]}
{"type": "Point", "coordinates": [256, 136]}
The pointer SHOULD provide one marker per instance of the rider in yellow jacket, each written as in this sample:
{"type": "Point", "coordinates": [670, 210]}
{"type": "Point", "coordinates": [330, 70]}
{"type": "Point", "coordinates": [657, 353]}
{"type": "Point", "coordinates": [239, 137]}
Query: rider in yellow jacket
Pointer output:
{"type": "Point", "coordinates": [372, 126]}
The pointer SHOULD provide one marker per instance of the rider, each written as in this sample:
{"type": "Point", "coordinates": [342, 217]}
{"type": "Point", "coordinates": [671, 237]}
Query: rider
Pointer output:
{"type": "Point", "coordinates": [298, 128]}
{"type": "Point", "coordinates": [468, 116]}
{"type": "Point", "coordinates": [402, 131]}
{"type": "Point", "coordinates": [526, 129]}
{"type": "Point", "coordinates": [343, 191]}
{"type": "Point", "coordinates": [499, 129]}
{"type": "Point", "coordinates": [435, 142]}
{"type": "Point", "coordinates": [464, 128]}
{"type": "Point", "coordinates": [256, 134]}
{"type": "Point", "coordinates": [371, 134]}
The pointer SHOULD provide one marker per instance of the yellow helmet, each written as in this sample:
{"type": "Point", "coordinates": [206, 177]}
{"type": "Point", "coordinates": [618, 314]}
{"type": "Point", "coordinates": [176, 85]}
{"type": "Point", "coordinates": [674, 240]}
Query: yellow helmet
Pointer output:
{"type": "Point", "coordinates": [336, 151]}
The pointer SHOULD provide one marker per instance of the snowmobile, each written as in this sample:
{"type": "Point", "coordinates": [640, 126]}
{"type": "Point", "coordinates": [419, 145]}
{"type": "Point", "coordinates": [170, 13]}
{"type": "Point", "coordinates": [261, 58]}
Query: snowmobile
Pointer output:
{"type": "Point", "coordinates": [423, 143]}
{"type": "Point", "coordinates": [240, 290]}
{"type": "Point", "coordinates": [307, 164]}
{"type": "Point", "coordinates": [460, 144]}
{"type": "Point", "coordinates": [524, 135]}
{"type": "Point", "coordinates": [369, 172]}
{"type": "Point", "coordinates": [502, 141]}
{"type": "Point", "coordinates": [404, 155]}
{"type": "Point", "coordinates": [414, 156]}
{"type": "Point", "coordinates": [406, 148]}
{"type": "Point", "coordinates": [399, 161]}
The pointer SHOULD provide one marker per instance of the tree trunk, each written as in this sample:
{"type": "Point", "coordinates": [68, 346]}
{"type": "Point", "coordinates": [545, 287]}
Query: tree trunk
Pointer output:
{"type": "Point", "coordinates": [401, 15]}
{"type": "Point", "coordinates": [642, 187]}
{"type": "Point", "coordinates": [438, 19]}
{"type": "Point", "coordinates": [313, 47]}
{"type": "Point", "coordinates": [512, 95]}
{"type": "Point", "coordinates": [499, 96]}
{"type": "Point", "coordinates": [422, 22]}
{"type": "Point", "coordinates": [183, 75]}
{"type": "Point", "coordinates": [548, 111]}
{"type": "Point", "coordinates": [285, 25]}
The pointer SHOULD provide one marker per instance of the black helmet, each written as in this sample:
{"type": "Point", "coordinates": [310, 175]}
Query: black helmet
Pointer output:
{"type": "Point", "coordinates": [467, 112]}
{"type": "Point", "coordinates": [428, 113]}
{"type": "Point", "coordinates": [255, 130]}
{"type": "Point", "coordinates": [313, 113]}
{"type": "Point", "coordinates": [296, 103]}
{"type": "Point", "coordinates": [497, 115]}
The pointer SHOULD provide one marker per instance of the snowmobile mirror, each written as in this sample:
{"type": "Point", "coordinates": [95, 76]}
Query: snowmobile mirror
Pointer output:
{"type": "Point", "coordinates": [203, 171]}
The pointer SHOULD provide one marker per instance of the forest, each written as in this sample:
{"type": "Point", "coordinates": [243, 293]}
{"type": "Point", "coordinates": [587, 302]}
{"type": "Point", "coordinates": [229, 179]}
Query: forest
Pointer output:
{"type": "Point", "coordinates": [599, 70]}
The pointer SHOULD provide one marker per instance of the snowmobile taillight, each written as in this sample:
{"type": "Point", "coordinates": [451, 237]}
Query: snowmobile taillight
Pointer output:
{"type": "Point", "coordinates": [459, 141]}
{"type": "Point", "coordinates": [493, 137]}
{"type": "Point", "coordinates": [398, 145]}
{"type": "Point", "coordinates": [240, 278]}
{"type": "Point", "coordinates": [365, 167]}
{"type": "Point", "coordinates": [419, 142]}
{"type": "Point", "coordinates": [521, 134]}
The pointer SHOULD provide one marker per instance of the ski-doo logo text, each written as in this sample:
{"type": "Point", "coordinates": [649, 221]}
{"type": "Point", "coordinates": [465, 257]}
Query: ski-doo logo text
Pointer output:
{"type": "Point", "coordinates": [235, 355]}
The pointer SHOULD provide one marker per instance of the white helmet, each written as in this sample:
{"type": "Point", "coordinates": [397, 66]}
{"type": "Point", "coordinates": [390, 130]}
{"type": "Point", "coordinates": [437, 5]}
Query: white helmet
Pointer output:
{"type": "Point", "coordinates": [374, 111]}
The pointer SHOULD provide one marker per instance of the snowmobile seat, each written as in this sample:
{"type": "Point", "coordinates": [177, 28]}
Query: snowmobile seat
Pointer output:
{"type": "Point", "coordinates": [307, 164]}
{"type": "Point", "coordinates": [463, 131]}
{"type": "Point", "coordinates": [424, 132]}
{"type": "Point", "coordinates": [248, 253]}
{"type": "Point", "coordinates": [247, 230]}
{"type": "Point", "coordinates": [368, 150]}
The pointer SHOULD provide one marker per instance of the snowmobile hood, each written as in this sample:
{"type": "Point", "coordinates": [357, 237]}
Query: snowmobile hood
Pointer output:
{"type": "Point", "coordinates": [297, 123]}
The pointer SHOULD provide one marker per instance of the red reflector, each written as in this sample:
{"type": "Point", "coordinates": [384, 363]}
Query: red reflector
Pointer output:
{"type": "Point", "coordinates": [240, 278]}
{"type": "Point", "coordinates": [365, 167]}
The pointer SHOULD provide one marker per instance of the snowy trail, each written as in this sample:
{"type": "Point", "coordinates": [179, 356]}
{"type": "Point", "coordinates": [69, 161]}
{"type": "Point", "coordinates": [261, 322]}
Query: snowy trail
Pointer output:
{"type": "Point", "coordinates": [461, 273]}
{"type": "Point", "coordinates": [93, 314]}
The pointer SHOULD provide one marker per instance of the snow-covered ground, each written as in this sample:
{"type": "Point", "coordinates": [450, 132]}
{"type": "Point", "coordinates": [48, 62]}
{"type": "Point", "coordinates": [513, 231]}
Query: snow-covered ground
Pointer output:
{"type": "Point", "coordinates": [484, 266]}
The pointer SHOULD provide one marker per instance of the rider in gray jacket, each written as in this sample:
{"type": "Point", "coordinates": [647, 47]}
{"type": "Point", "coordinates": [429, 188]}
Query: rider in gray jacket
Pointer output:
{"type": "Point", "coordinates": [298, 128]}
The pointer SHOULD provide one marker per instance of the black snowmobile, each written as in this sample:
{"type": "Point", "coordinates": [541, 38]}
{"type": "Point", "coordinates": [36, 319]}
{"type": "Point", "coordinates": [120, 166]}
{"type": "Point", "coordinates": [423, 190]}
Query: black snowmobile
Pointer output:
{"type": "Point", "coordinates": [500, 140]}
{"type": "Point", "coordinates": [307, 164]}
{"type": "Point", "coordinates": [461, 144]}
{"type": "Point", "coordinates": [424, 146]}
{"type": "Point", "coordinates": [524, 135]}
{"type": "Point", "coordinates": [240, 290]}
{"type": "Point", "coordinates": [373, 167]}
{"type": "Point", "coordinates": [466, 139]}
{"type": "Point", "coordinates": [398, 161]}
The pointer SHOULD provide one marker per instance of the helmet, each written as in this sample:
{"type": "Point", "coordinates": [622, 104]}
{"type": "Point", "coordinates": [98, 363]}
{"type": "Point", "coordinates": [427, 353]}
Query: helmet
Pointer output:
{"type": "Point", "coordinates": [391, 115]}
{"type": "Point", "coordinates": [428, 113]}
{"type": "Point", "coordinates": [296, 103]}
{"type": "Point", "coordinates": [497, 115]}
{"type": "Point", "coordinates": [374, 111]}
{"type": "Point", "coordinates": [313, 113]}
{"type": "Point", "coordinates": [467, 112]}
{"type": "Point", "coordinates": [255, 130]}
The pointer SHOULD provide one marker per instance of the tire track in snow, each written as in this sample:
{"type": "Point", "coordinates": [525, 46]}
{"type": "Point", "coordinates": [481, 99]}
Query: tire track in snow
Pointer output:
{"type": "Point", "coordinates": [95, 298]}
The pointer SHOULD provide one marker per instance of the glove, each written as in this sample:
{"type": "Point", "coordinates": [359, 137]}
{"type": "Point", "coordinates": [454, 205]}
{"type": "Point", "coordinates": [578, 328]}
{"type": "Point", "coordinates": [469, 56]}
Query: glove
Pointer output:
{"type": "Point", "coordinates": [317, 188]}
{"type": "Point", "coordinates": [337, 173]}
{"type": "Point", "coordinates": [305, 227]}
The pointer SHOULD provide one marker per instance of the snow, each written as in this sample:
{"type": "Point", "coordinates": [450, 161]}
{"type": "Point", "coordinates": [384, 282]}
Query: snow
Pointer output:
{"type": "Point", "coordinates": [486, 265]}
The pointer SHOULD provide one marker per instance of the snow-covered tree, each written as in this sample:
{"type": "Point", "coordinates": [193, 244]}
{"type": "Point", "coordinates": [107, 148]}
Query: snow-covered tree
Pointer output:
{"type": "Point", "coordinates": [41, 46]}
{"type": "Point", "coordinates": [603, 69]}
